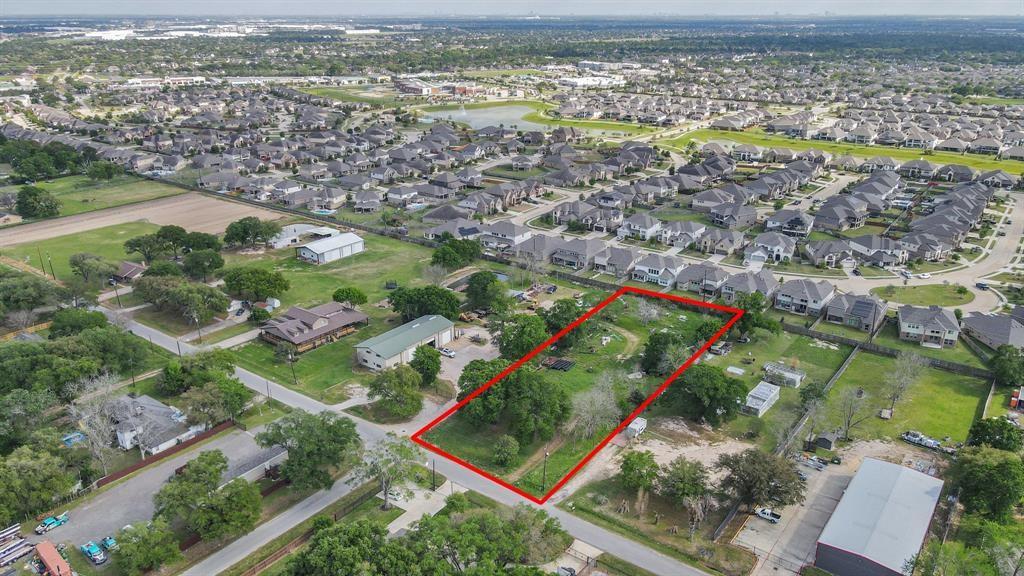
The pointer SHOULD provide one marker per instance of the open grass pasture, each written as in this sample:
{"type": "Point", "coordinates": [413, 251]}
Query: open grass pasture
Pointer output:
{"type": "Point", "coordinates": [106, 242]}
{"type": "Point", "coordinates": [79, 193]}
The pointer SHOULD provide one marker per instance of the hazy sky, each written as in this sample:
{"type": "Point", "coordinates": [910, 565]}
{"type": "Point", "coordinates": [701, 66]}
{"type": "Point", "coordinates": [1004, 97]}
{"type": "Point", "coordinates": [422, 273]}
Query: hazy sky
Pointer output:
{"type": "Point", "coordinates": [312, 8]}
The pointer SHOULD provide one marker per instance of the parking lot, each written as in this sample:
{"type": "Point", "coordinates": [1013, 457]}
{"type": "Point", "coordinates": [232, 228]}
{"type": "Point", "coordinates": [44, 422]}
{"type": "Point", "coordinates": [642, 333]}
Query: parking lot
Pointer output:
{"type": "Point", "coordinates": [465, 352]}
{"type": "Point", "coordinates": [131, 500]}
{"type": "Point", "coordinates": [785, 547]}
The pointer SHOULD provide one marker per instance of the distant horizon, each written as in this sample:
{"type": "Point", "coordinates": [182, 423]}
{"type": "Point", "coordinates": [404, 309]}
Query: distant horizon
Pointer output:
{"type": "Point", "coordinates": [311, 9]}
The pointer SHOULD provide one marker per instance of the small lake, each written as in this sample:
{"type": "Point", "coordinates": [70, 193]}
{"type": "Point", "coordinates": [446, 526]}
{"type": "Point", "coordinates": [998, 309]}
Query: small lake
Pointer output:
{"type": "Point", "coordinates": [509, 116]}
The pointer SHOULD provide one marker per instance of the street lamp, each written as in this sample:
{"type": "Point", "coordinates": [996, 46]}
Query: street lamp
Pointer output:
{"type": "Point", "coordinates": [544, 481]}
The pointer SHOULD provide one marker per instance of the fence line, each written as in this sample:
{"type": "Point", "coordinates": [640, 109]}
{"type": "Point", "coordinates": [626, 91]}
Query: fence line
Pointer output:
{"type": "Point", "coordinates": [166, 453]}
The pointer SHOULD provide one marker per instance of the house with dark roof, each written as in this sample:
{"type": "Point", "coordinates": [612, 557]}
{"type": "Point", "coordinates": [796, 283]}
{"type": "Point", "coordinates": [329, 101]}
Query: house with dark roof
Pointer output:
{"type": "Point", "coordinates": [828, 253]}
{"type": "Point", "coordinates": [771, 248]}
{"type": "Point", "coordinates": [657, 269]}
{"type": "Point", "coordinates": [733, 216]}
{"type": "Point", "coordinates": [865, 313]}
{"type": "Point", "coordinates": [804, 296]}
{"type": "Point", "coordinates": [795, 223]}
{"type": "Point", "coordinates": [309, 328]}
{"type": "Point", "coordinates": [616, 261]}
{"type": "Point", "coordinates": [704, 279]}
{"type": "Point", "coordinates": [995, 330]}
{"type": "Point", "coordinates": [933, 326]}
{"type": "Point", "coordinates": [748, 283]}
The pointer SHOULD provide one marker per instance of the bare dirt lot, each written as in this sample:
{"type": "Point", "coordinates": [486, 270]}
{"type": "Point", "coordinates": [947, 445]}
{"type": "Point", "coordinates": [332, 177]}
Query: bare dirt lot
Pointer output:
{"type": "Point", "coordinates": [192, 211]}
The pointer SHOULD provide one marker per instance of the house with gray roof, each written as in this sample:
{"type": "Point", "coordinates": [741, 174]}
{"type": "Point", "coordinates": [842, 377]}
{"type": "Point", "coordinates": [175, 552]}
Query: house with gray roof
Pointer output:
{"type": "Point", "coordinates": [681, 234]}
{"type": "Point", "coordinates": [733, 216]}
{"type": "Point", "coordinates": [795, 223]}
{"type": "Point", "coordinates": [309, 328]}
{"type": "Point", "coordinates": [704, 279]}
{"type": "Point", "coordinates": [396, 346]}
{"type": "Point", "coordinates": [657, 269]}
{"type": "Point", "coordinates": [933, 326]}
{"type": "Point", "coordinates": [616, 261]}
{"type": "Point", "coordinates": [828, 253]}
{"type": "Point", "coordinates": [577, 253]}
{"type": "Point", "coordinates": [995, 330]}
{"type": "Point", "coordinates": [865, 313]}
{"type": "Point", "coordinates": [149, 424]}
{"type": "Point", "coordinates": [804, 296]}
{"type": "Point", "coordinates": [749, 282]}
{"type": "Point", "coordinates": [770, 248]}
{"type": "Point", "coordinates": [640, 226]}
{"type": "Point", "coordinates": [719, 241]}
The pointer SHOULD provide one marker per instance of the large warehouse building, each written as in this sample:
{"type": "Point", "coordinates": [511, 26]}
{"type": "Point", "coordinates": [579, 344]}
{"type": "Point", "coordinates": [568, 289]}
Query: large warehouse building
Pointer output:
{"type": "Point", "coordinates": [396, 346]}
{"type": "Point", "coordinates": [880, 522]}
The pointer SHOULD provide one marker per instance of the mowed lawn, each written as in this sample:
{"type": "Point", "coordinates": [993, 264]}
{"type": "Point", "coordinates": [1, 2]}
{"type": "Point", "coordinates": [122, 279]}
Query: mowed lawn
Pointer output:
{"type": "Point", "coordinates": [106, 242]}
{"type": "Point", "coordinates": [758, 137]}
{"type": "Point", "coordinates": [325, 372]}
{"type": "Point", "coordinates": [79, 194]}
{"type": "Point", "coordinates": [818, 359]}
{"type": "Point", "coordinates": [925, 295]}
{"type": "Point", "coordinates": [940, 404]}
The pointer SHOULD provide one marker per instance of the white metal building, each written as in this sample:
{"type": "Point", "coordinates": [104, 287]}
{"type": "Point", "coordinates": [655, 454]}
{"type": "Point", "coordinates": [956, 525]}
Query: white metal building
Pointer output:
{"type": "Point", "coordinates": [396, 346]}
{"type": "Point", "coordinates": [761, 398]}
{"type": "Point", "coordinates": [331, 248]}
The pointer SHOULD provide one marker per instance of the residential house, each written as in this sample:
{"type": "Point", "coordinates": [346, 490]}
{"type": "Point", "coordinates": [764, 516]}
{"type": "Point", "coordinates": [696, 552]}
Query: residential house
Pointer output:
{"type": "Point", "coordinates": [703, 278]}
{"type": "Point", "coordinates": [828, 253]}
{"type": "Point", "coordinates": [933, 326]}
{"type": "Point", "coordinates": [719, 241]}
{"type": "Point", "coordinates": [794, 223]}
{"type": "Point", "coordinates": [733, 216]}
{"type": "Point", "coordinates": [995, 330]}
{"type": "Point", "coordinates": [657, 269]}
{"type": "Point", "coordinates": [640, 226]}
{"type": "Point", "coordinates": [770, 248]}
{"type": "Point", "coordinates": [864, 313]}
{"type": "Point", "coordinates": [747, 283]}
{"type": "Point", "coordinates": [616, 261]}
{"type": "Point", "coordinates": [309, 328]}
{"type": "Point", "coordinates": [804, 296]}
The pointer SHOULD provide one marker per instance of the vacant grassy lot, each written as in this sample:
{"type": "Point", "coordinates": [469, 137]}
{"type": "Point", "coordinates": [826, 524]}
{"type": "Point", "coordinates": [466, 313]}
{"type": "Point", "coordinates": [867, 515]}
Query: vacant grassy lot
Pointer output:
{"type": "Point", "coordinates": [818, 359]}
{"type": "Point", "coordinates": [106, 242]}
{"type": "Point", "coordinates": [940, 404]}
{"type": "Point", "coordinates": [374, 94]}
{"type": "Point", "coordinates": [80, 194]}
{"type": "Point", "coordinates": [758, 137]}
{"type": "Point", "coordinates": [925, 295]}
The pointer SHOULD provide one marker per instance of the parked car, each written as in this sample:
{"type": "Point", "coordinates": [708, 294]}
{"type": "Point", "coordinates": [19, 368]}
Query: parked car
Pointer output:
{"type": "Point", "coordinates": [924, 275]}
{"type": "Point", "coordinates": [447, 352]}
{"type": "Point", "coordinates": [721, 348]}
{"type": "Point", "coordinates": [51, 522]}
{"type": "Point", "coordinates": [109, 544]}
{"type": "Point", "coordinates": [93, 552]}
{"type": "Point", "coordinates": [981, 285]}
{"type": "Point", "coordinates": [856, 272]}
{"type": "Point", "coordinates": [906, 274]}
{"type": "Point", "coordinates": [565, 571]}
{"type": "Point", "coordinates": [769, 515]}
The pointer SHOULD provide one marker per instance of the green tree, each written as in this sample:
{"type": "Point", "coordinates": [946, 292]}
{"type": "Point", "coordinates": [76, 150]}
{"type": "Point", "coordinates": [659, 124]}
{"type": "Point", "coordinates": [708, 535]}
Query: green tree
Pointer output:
{"type": "Point", "coordinates": [356, 548]}
{"type": "Point", "coordinates": [230, 511]}
{"type": "Point", "coordinates": [811, 392]}
{"type": "Point", "coordinates": [316, 444]}
{"type": "Point", "coordinates": [202, 263]}
{"type": "Point", "coordinates": [639, 471]}
{"type": "Point", "coordinates": [164, 268]}
{"type": "Point", "coordinates": [202, 241]}
{"type": "Point", "coordinates": [149, 246]}
{"type": "Point", "coordinates": [426, 360]}
{"type": "Point", "coordinates": [506, 450]}
{"type": "Point", "coordinates": [103, 170]}
{"type": "Point", "coordinates": [484, 289]}
{"type": "Point", "coordinates": [657, 346]}
{"type": "Point", "coordinates": [706, 392]}
{"type": "Point", "coordinates": [683, 479]}
{"type": "Point", "coordinates": [561, 314]}
{"type": "Point", "coordinates": [26, 292]}
{"type": "Point", "coordinates": [92, 269]}
{"type": "Point", "coordinates": [707, 329]}
{"type": "Point", "coordinates": [391, 463]}
{"type": "Point", "coordinates": [758, 478]}
{"type": "Point", "coordinates": [259, 316]}
{"type": "Point", "coordinates": [755, 314]}
{"type": "Point", "coordinates": [71, 321]}
{"type": "Point", "coordinates": [221, 398]}
{"type": "Point", "coordinates": [34, 202]}
{"type": "Point", "coordinates": [397, 390]}
{"type": "Point", "coordinates": [250, 231]}
{"type": "Point", "coordinates": [1007, 365]}
{"type": "Point", "coordinates": [991, 481]}
{"type": "Point", "coordinates": [520, 335]}
{"type": "Point", "coordinates": [184, 492]}
{"type": "Point", "coordinates": [446, 257]}
{"type": "Point", "coordinates": [413, 303]}
{"type": "Point", "coordinates": [30, 480]}
{"type": "Point", "coordinates": [998, 433]}
{"type": "Point", "coordinates": [255, 284]}
{"type": "Point", "coordinates": [353, 296]}
{"type": "Point", "coordinates": [949, 559]}
{"type": "Point", "coordinates": [175, 236]}
{"type": "Point", "coordinates": [146, 547]}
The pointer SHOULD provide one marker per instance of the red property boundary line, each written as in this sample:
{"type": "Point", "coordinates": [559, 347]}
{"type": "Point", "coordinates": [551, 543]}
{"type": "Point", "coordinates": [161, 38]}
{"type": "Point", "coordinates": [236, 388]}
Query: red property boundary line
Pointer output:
{"type": "Point", "coordinates": [417, 437]}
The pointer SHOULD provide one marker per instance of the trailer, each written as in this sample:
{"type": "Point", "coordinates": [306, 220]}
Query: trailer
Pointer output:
{"type": "Point", "coordinates": [15, 553]}
{"type": "Point", "coordinates": [10, 533]}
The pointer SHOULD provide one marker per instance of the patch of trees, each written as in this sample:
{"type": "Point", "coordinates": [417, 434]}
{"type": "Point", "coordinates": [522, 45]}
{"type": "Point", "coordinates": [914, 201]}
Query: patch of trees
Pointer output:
{"type": "Point", "coordinates": [71, 321]}
{"type": "Point", "coordinates": [353, 296]}
{"type": "Point", "coordinates": [32, 476]}
{"type": "Point", "coordinates": [31, 161]}
{"type": "Point", "coordinates": [1007, 365]}
{"type": "Point", "coordinates": [461, 540]}
{"type": "Point", "coordinates": [317, 444]}
{"type": "Point", "coordinates": [532, 407]}
{"type": "Point", "coordinates": [520, 334]}
{"type": "Point", "coordinates": [256, 284]}
{"type": "Point", "coordinates": [103, 170]}
{"type": "Point", "coordinates": [706, 392]}
{"type": "Point", "coordinates": [197, 303]}
{"type": "Point", "coordinates": [195, 499]}
{"type": "Point", "coordinates": [561, 314]}
{"type": "Point", "coordinates": [397, 390]}
{"type": "Point", "coordinates": [991, 481]}
{"type": "Point", "coordinates": [61, 366]}
{"type": "Point", "coordinates": [34, 202]}
{"type": "Point", "coordinates": [412, 303]}
{"type": "Point", "coordinates": [755, 314]}
{"type": "Point", "coordinates": [453, 253]}
{"type": "Point", "coordinates": [199, 264]}
{"type": "Point", "coordinates": [484, 290]}
{"type": "Point", "coordinates": [143, 548]}
{"type": "Point", "coordinates": [250, 232]}
{"type": "Point", "coordinates": [21, 293]}
{"type": "Point", "coordinates": [998, 433]}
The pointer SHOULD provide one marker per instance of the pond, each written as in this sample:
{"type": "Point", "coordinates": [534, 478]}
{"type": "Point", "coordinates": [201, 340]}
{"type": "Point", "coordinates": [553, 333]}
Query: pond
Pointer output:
{"type": "Point", "coordinates": [476, 118]}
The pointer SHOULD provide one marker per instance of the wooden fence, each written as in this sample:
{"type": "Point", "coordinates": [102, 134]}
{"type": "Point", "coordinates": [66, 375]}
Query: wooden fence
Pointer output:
{"type": "Point", "coordinates": [166, 453]}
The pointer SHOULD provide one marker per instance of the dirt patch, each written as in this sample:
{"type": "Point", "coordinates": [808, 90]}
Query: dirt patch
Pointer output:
{"type": "Point", "coordinates": [194, 211]}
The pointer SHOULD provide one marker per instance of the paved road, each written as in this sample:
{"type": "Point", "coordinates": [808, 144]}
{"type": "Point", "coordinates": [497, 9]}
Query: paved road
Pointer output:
{"type": "Point", "coordinates": [612, 543]}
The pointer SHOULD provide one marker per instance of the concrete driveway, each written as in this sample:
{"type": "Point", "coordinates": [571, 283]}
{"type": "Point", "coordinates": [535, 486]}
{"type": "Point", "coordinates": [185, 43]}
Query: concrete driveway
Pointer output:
{"type": "Point", "coordinates": [784, 547]}
{"type": "Point", "coordinates": [465, 352]}
{"type": "Point", "coordinates": [130, 501]}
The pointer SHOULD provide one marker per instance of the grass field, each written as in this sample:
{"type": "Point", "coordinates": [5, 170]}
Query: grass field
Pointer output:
{"type": "Point", "coordinates": [889, 336]}
{"type": "Point", "coordinates": [80, 194]}
{"type": "Point", "coordinates": [360, 94]}
{"type": "Point", "coordinates": [925, 295]}
{"type": "Point", "coordinates": [940, 404]}
{"type": "Point", "coordinates": [759, 138]}
{"type": "Point", "coordinates": [540, 115]}
{"type": "Point", "coordinates": [106, 242]}
{"type": "Point", "coordinates": [499, 73]}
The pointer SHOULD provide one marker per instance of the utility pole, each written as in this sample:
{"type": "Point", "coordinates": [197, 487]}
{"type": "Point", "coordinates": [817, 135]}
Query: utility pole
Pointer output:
{"type": "Point", "coordinates": [42, 265]}
{"type": "Point", "coordinates": [544, 481]}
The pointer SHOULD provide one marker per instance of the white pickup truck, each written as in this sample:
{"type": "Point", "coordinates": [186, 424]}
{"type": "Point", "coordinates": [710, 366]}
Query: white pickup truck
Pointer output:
{"type": "Point", "coordinates": [768, 514]}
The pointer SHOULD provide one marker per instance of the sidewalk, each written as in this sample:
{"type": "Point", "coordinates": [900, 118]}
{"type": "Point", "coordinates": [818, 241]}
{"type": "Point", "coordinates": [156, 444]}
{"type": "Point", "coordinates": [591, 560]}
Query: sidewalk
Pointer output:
{"type": "Point", "coordinates": [421, 502]}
